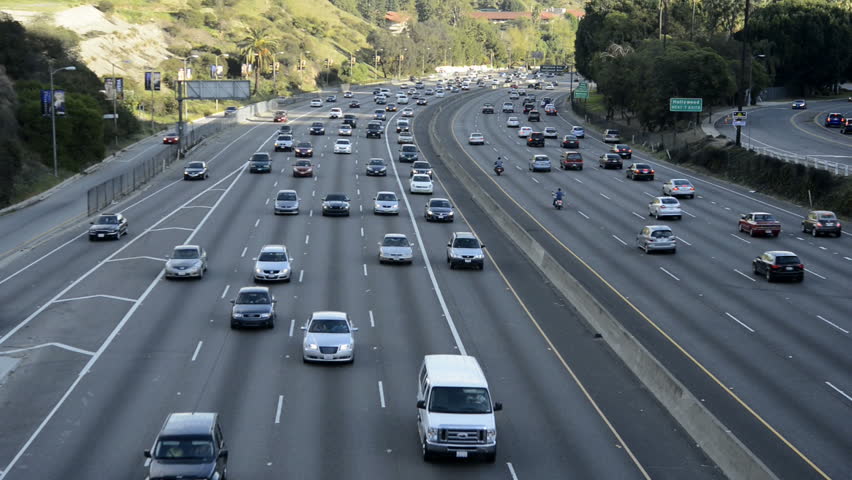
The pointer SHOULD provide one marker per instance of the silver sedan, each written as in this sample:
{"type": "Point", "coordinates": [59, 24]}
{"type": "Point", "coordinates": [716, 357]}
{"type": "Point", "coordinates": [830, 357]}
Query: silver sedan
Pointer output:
{"type": "Point", "coordinates": [386, 203]}
{"type": "Point", "coordinates": [395, 248]}
{"type": "Point", "coordinates": [186, 261]}
{"type": "Point", "coordinates": [273, 263]}
{"type": "Point", "coordinates": [328, 338]}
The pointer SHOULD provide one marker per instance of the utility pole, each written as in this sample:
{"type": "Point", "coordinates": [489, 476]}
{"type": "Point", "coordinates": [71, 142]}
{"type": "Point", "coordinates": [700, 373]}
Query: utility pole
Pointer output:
{"type": "Point", "coordinates": [742, 69]}
{"type": "Point", "coordinates": [53, 111]}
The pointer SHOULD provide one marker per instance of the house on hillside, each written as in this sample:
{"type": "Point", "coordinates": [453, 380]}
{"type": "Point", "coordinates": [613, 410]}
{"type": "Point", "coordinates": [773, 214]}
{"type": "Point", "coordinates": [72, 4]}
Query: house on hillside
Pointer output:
{"type": "Point", "coordinates": [396, 22]}
{"type": "Point", "coordinates": [503, 17]}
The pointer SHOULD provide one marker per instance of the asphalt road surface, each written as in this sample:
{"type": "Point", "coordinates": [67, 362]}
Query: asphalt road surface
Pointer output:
{"type": "Point", "coordinates": [102, 348]}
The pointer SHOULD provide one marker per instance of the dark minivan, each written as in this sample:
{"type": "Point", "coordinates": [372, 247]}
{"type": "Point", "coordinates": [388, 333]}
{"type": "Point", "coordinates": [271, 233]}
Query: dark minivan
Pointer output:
{"type": "Point", "coordinates": [190, 445]}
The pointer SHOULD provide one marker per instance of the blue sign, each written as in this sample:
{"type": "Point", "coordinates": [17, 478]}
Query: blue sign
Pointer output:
{"type": "Point", "coordinates": [57, 102]}
{"type": "Point", "coordinates": [45, 103]}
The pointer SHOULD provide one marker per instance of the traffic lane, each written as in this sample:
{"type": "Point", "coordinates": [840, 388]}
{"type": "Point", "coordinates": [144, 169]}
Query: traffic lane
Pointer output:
{"type": "Point", "coordinates": [697, 381]}
{"type": "Point", "coordinates": [790, 130]}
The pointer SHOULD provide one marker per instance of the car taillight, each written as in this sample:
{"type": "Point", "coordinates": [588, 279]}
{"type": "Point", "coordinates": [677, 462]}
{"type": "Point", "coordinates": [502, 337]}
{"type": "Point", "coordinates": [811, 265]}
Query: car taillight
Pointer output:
{"type": "Point", "coordinates": [801, 266]}
{"type": "Point", "coordinates": [774, 267]}
{"type": "Point", "coordinates": [652, 171]}
{"type": "Point", "coordinates": [629, 151]}
{"type": "Point", "coordinates": [818, 224]}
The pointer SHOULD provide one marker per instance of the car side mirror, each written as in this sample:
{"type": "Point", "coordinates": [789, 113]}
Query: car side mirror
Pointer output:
{"type": "Point", "coordinates": [253, 259]}
{"type": "Point", "coordinates": [481, 245]}
{"type": "Point", "coordinates": [303, 328]}
{"type": "Point", "coordinates": [91, 223]}
{"type": "Point", "coordinates": [354, 329]}
{"type": "Point", "coordinates": [498, 406]}
{"type": "Point", "coordinates": [449, 244]}
{"type": "Point", "coordinates": [421, 403]}
{"type": "Point", "coordinates": [147, 453]}
{"type": "Point", "coordinates": [743, 216]}
{"type": "Point", "coordinates": [223, 454]}
{"type": "Point", "coordinates": [233, 301]}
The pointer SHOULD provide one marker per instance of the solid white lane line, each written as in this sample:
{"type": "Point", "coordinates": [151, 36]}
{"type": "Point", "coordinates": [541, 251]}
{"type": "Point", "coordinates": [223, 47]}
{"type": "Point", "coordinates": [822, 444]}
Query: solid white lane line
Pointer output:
{"type": "Point", "coordinates": [832, 324]}
{"type": "Point", "coordinates": [640, 216]}
{"type": "Point", "coordinates": [244, 252]}
{"type": "Point", "coordinates": [839, 391]}
{"type": "Point", "coordinates": [816, 274]}
{"type": "Point", "coordinates": [365, 269]}
{"type": "Point", "coordinates": [601, 194]}
{"type": "Point", "coordinates": [512, 471]}
{"type": "Point", "coordinates": [307, 238]}
{"type": "Point", "coordinates": [362, 232]}
{"type": "Point", "coordinates": [267, 201]}
{"type": "Point", "coordinates": [381, 394]}
{"type": "Point", "coordinates": [197, 349]}
{"type": "Point", "coordinates": [583, 214]}
{"type": "Point", "coordinates": [669, 273]}
{"type": "Point", "coordinates": [51, 344]}
{"type": "Point", "coordinates": [372, 321]}
{"type": "Point", "coordinates": [743, 274]}
{"type": "Point", "coordinates": [225, 291]}
{"type": "Point", "coordinates": [301, 274]}
{"type": "Point", "coordinates": [741, 323]}
{"type": "Point", "coordinates": [113, 297]}
{"type": "Point", "coordinates": [847, 258]}
{"type": "Point", "coordinates": [739, 238]}
{"type": "Point", "coordinates": [280, 407]}
{"type": "Point", "coordinates": [684, 241]}
{"type": "Point", "coordinates": [620, 240]}
{"type": "Point", "coordinates": [257, 223]}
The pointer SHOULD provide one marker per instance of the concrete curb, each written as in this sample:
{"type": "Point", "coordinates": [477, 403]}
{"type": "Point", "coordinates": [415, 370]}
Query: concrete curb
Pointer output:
{"type": "Point", "coordinates": [721, 445]}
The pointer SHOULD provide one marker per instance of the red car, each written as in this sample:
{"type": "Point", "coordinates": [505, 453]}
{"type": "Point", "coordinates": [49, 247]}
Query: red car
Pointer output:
{"type": "Point", "coordinates": [759, 223]}
{"type": "Point", "coordinates": [171, 138]}
{"type": "Point", "coordinates": [571, 160]}
{"type": "Point", "coordinates": [280, 117]}
{"type": "Point", "coordinates": [303, 168]}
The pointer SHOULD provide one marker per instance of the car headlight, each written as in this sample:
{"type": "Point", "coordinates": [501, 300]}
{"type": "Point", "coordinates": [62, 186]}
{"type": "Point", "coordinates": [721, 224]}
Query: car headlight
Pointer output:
{"type": "Point", "coordinates": [258, 270]}
{"type": "Point", "coordinates": [429, 212]}
{"type": "Point", "coordinates": [311, 346]}
{"type": "Point", "coordinates": [263, 315]}
{"type": "Point", "coordinates": [479, 256]}
{"type": "Point", "coordinates": [432, 434]}
{"type": "Point", "coordinates": [237, 315]}
{"type": "Point", "coordinates": [345, 347]}
{"type": "Point", "coordinates": [285, 271]}
{"type": "Point", "coordinates": [491, 433]}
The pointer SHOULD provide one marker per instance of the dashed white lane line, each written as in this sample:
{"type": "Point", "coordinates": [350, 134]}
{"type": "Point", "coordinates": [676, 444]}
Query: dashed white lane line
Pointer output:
{"type": "Point", "coordinates": [577, 180]}
{"type": "Point", "coordinates": [365, 269]}
{"type": "Point", "coordinates": [800, 239]}
{"type": "Point", "coordinates": [360, 208]}
{"type": "Point", "coordinates": [640, 216]}
{"type": "Point", "coordinates": [620, 240]}
{"type": "Point", "coordinates": [669, 273]}
{"type": "Point", "coordinates": [301, 274]}
{"type": "Point", "coordinates": [197, 349]}
{"type": "Point", "coordinates": [832, 324]}
{"type": "Point", "coordinates": [362, 232]}
{"type": "Point", "coordinates": [646, 193]}
{"type": "Point", "coordinates": [741, 323]}
{"type": "Point", "coordinates": [257, 223]}
{"type": "Point", "coordinates": [311, 213]}
{"type": "Point", "coordinates": [307, 238]}
{"type": "Point", "coordinates": [847, 258]}
{"type": "Point", "coordinates": [280, 407]}
{"type": "Point", "coordinates": [267, 201]}
{"type": "Point", "coordinates": [518, 167]}
{"type": "Point", "coordinates": [275, 184]}
{"type": "Point", "coordinates": [512, 471]}
{"type": "Point", "coordinates": [583, 214]}
{"type": "Point", "coordinates": [313, 193]}
{"type": "Point", "coordinates": [292, 326]}
{"type": "Point", "coordinates": [738, 238]}
{"type": "Point", "coordinates": [381, 394]}
{"type": "Point", "coordinates": [815, 274]}
{"type": "Point", "coordinates": [743, 274]}
{"type": "Point", "coordinates": [244, 252]}
{"type": "Point", "coordinates": [601, 194]}
{"type": "Point", "coordinates": [358, 192]}
{"type": "Point", "coordinates": [691, 215]}
{"type": "Point", "coordinates": [225, 292]}
{"type": "Point", "coordinates": [535, 180]}
{"type": "Point", "coordinates": [839, 391]}
{"type": "Point", "coordinates": [618, 179]}
{"type": "Point", "coordinates": [823, 248]}
{"type": "Point", "coordinates": [372, 320]}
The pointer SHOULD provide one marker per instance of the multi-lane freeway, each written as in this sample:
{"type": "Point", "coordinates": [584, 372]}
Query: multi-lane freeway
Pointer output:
{"type": "Point", "coordinates": [100, 347]}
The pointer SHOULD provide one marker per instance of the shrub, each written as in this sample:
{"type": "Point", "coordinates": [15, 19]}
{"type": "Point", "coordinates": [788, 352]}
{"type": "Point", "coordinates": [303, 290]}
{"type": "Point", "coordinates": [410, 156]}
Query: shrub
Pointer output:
{"type": "Point", "coordinates": [105, 6]}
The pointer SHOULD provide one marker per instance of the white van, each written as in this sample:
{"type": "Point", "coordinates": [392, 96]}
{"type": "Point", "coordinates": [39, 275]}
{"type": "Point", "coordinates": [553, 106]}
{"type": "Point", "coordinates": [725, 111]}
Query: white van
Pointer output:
{"type": "Point", "coordinates": [455, 414]}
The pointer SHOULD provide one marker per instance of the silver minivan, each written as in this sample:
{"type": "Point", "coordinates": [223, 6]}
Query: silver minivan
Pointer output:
{"type": "Point", "coordinates": [540, 163]}
{"type": "Point", "coordinates": [653, 238]}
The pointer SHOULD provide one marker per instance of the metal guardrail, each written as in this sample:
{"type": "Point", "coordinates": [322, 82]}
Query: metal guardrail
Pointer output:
{"type": "Point", "coordinates": [812, 161]}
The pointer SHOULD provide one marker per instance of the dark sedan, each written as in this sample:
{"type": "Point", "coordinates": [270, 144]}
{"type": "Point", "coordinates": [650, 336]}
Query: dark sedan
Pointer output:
{"type": "Point", "coordinates": [610, 160]}
{"type": "Point", "coordinates": [335, 204]}
{"type": "Point", "coordinates": [570, 141]}
{"type": "Point", "coordinates": [304, 149]}
{"type": "Point", "coordinates": [108, 225]}
{"type": "Point", "coordinates": [624, 151]}
{"type": "Point", "coordinates": [439, 209]}
{"type": "Point", "coordinates": [253, 307]}
{"type": "Point", "coordinates": [317, 128]}
{"type": "Point", "coordinates": [640, 171]}
{"type": "Point", "coordinates": [377, 167]}
{"type": "Point", "coordinates": [303, 168]}
{"type": "Point", "coordinates": [354, 104]}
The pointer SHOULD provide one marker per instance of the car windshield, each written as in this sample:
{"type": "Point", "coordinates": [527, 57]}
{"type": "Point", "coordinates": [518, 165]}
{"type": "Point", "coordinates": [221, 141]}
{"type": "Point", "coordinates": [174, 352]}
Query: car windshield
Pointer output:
{"type": "Point", "coordinates": [439, 204]}
{"type": "Point", "coordinates": [303, 163]}
{"type": "Point", "coordinates": [272, 257]}
{"type": "Point", "coordinates": [466, 243]}
{"type": "Point", "coordinates": [395, 242]}
{"type": "Point", "coordinates": [317, 124]}
{"type": "Point", "coordinates": [108, 220]}
{"type": "Point", "coordinates": [304, 145]}
{"type": "Point", "coordinates": [387, 197]}
{"type": "Point", "coordinates": [827, 218]}
{"type": "Point", "coordinates": [184, 449]}
{"type": "Point", "coordinates": [680, 182]}
{"type": "Point", "coordinates": [335, 197]}
{"type": "Point", "coordinates": [612, 132]}
{"type": "Point", "coordinates": [459, 400]}
{"type": "Point", "coordinates": [662, 234]}
{"type": "Point", "coordinates": [287, 196]}
{"type": "Point", "coordinates": [409, 149]}
{"type": "Point", "coordinates": [195, 165]}
{"type": "Point", "coordinates": [323, 325]}
{"type": "Point", "coordinates": [253, 298]}
{"type": "Point", "coordinates": [787, 260]}
{"type": "Point", "coordinates": [343, 142]}
{"type": "Point", "coordinates": [185, 253]}
{"type": "Point", "coordinates": [420, 178]}
{"type": "Point", "coordinates": [764, 218]}
{"type": "Point", "coordinates": [377, 162]}
{"type": "Point", "coordinates": [284, 138]}
{"type": "Point", "coordinates": [259, 157]}
{"type": "Point", "coordinates": [669, 201]}
{"type": "Point", "coordinates": [541, 159]}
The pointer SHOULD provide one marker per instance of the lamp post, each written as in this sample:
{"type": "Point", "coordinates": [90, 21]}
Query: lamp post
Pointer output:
{"type": "Point", "coordinates": [53, 112]}
{"type": "Point", "coordinates": [275, 71]}
{"type": "Point", "coordinates": [181, 106]}
{"type": "Point", "coordinates": [114, 101]}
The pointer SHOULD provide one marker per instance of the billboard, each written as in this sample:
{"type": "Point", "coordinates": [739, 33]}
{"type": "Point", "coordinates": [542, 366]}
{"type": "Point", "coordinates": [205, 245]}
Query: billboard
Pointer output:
{"type": "Point", "coordinates": [57, 103]}
{"type": "Point", "coordinates": [217, 89]}
{"type": "Point", "coordinates": [119, 88]}
{"type": "Point", "coordinates": [152, 81]}
{"type": "Point", "coordinates": [109, 88]}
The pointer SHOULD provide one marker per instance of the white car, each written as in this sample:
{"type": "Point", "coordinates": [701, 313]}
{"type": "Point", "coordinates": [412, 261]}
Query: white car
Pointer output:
{"type": "Point", "coordinates": [550, 132]}
{"type": "Point", "coordinates": [328, 338]}
{"type": "Point", "coordinates": [343, 145]}
{"type": "Point", "coordinates": [386, 203]}
{"type": "Point", "coordinates": [664, 207]}
{"type": "Point", "coordinates": [679, 187]}
{"type": "Point", "coordinates": [549, 86]}
{"type": "Point", "coordinates": [513, 95]}
{"type": "Point", "coordinates": [524, 132]}
{"type": "Point", "coordinates": [402, 100]}
{"type": "Point", "coordinates": [513, 122]}
{"type": "Point", "coordinates": [404, 137]}
{"type": "Point", "coordinates": [407, 112]}
{"type": "Point", "coordinates": [317, 102]}
{"type": "Point", "coordinates": [335, 113]}
{"type": "Point", "coordinates": [345, 130]}
{"type": "Point", "coordinates": [420, 184]}
{"type": "Point", "coordinates": [439, 93]}
{"type": "Point", "coordinates": [476, 138]}
{"type": "Point", "coordinates": [347, 94]}
{"type": "Point", "coordinates": [522, 91]}
{"type": "Point", "coordinates": [508, 107]}
{"type": "Point", "coordinates": [578, 131]}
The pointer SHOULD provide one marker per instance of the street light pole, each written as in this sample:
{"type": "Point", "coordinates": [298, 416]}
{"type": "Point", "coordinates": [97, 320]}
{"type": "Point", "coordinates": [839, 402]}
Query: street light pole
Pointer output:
{"type": "Point", "coordinates": [114, 109]}
{"type": "Point", "coordinates": [53, 112]}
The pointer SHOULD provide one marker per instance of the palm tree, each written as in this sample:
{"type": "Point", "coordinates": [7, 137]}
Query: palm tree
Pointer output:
{"type": "Point", "coordinates": [258, 48]}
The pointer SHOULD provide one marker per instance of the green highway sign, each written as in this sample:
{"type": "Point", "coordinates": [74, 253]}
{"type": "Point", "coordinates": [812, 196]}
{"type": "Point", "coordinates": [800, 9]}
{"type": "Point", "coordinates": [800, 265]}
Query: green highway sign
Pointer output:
{"type": "Point", "coordinates": [583, 86]}
{"type": "Point", "coordinates": [686, 105]}
{"type": "Point", "coordinates": [581, 94]}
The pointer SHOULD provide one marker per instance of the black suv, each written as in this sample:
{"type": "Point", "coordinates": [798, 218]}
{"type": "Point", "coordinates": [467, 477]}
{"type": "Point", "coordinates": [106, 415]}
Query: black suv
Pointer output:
{"type": "Point", "coordinates": [408, 153]}
{"type": "Point", "coordinates": [317, 128]}
{"type": "Point", "coordinates": [351, 120]}
{"type": "Point", "coordinates": [374, 130]}
{"type": "Point", "coordinates": [536, 139]}
{"type": "Point", "coordinates": [779, 264]}
{"type": "Point", "coordinates": [190, 445]}
{"type": "Point", "coordinates": [260, 162]}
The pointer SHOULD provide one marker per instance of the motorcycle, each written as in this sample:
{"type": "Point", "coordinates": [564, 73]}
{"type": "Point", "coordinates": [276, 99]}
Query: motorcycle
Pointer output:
{"type": "Point", "coordinates": [558, 203]}
{"type": "Point", "coordinates": [498, 170]}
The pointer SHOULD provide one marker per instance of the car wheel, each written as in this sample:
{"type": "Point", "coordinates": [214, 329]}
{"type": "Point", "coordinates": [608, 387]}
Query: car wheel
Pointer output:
{"type": "Point", "coordinates": [491, 457]}
{"type": "Point", "coordinates": [427, 455]}
{"type": "Point", "coordinates": [800, 279]}
{"type": "Point", "coordinates": [692, 196]}
{"type": "Point", "coordinates": [452, 266]}
{"type": "Point", "coordinates": [657, 215]}
{"type": "Point", "coordinates": [814, 232]}
{"type": "Point", "coordinates": [651, 179]}
{"type": "Point", "coordinates": [674, 251]}
{"type": "Point", "coordinates": [751, 232]}
{"type": "Point", "coordinates": [804, 228]}
{"type": "Point", "coordinates": [201, 274]}
{"type": "Point", "coordinates": [768, 276]}
{"type": "Point", "coordinates": [233, 325]}
{"type": "Point", "coordinates": [580, 168]}
{"type": "Point", "coordinates": [645, 248]}
{"type": "Point", "coordinates": [754, 269]}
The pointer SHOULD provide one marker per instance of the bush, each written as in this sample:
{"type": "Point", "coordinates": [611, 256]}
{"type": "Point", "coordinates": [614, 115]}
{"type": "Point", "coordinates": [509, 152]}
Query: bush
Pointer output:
{"type": "Point", "coordinates": [105, 6]}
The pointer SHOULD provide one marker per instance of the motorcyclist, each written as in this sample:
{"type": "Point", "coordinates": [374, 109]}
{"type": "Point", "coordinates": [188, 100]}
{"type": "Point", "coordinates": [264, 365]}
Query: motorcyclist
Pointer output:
{"type": "Point", "coordinates": [558, 195]}
{"type": "Point", "coordinates": [498, 163]}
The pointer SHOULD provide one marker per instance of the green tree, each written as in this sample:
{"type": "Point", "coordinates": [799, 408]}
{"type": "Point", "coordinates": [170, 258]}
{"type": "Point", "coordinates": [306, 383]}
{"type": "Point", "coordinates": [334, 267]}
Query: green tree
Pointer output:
{"type": "Point", "coordinates": [258, 48]}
